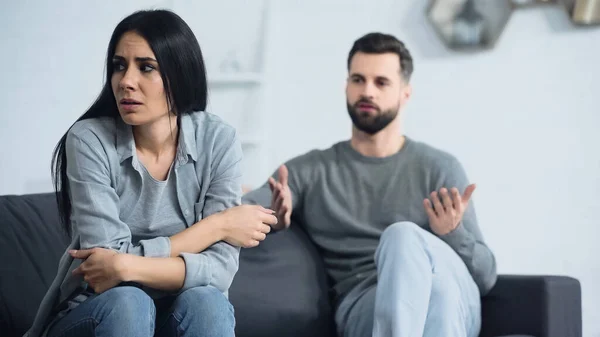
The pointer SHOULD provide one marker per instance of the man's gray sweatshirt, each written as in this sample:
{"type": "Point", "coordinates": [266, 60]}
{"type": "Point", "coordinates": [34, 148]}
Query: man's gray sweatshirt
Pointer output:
{"type": "Point", "coordinates": [345, 200]}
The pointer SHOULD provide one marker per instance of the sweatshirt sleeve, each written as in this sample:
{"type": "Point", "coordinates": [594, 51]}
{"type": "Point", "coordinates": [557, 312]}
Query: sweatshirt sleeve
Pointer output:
{"type": "Point", "coordinates": [95, 203]}
{"type": "Point", "coordinates": [467, 239]}
{"type": "Point", "coordinates": [218, 264]}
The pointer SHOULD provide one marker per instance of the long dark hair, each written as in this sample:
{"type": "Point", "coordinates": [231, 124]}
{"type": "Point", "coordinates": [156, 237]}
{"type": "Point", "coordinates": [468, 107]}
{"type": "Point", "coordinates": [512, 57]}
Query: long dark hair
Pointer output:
{"type": "Point", "coordinates": [182, 70]}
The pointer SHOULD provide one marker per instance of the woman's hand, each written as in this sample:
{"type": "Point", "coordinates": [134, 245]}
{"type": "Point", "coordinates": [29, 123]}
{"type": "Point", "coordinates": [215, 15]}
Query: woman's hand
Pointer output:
{"type": "Point", "coordinates": [102, 268]}
{"type": "Point", "coordinates": [246, 225]}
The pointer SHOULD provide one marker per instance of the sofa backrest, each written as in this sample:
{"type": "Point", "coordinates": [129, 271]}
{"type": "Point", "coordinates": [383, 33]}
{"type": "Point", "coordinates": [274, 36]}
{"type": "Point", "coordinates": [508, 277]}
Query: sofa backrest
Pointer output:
{"type": "Point", "coordinates": [31, 243]}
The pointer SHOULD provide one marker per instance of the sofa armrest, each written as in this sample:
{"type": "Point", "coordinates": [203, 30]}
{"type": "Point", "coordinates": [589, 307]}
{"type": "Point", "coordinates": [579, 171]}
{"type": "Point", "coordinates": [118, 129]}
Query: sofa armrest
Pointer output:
{"type": "Point", "coordinates": [541, 306]}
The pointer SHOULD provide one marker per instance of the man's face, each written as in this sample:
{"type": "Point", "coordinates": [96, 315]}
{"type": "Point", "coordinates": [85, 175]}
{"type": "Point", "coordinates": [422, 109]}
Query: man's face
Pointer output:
{"type": "Point", "coordinates": [375, 90]}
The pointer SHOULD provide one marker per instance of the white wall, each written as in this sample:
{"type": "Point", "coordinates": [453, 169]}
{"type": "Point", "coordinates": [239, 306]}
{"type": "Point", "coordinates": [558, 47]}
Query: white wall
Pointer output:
{"type": "Point", "coordinates": [527, 105]}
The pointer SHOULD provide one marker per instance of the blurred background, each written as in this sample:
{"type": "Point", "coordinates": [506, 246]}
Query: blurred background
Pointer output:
{"type": "Point", "coordinates": [522, 114]}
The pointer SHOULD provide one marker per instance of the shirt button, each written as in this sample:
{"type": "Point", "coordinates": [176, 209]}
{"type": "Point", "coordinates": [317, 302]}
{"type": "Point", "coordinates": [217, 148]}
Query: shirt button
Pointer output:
{"type": "Point", "coordinates": [186, 212]}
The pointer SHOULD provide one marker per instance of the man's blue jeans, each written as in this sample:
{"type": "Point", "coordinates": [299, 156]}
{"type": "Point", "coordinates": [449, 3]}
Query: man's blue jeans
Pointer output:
{"type": "Point", "coordinates": [129, 311]}
{"type": "Point", "coordinates": [421, 288]}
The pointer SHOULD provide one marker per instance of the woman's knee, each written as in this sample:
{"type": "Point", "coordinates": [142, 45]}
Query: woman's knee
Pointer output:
{"type": "Point", "coordinates": [129, 303]}
{"type": "Point", "coordinates": [204, 303]}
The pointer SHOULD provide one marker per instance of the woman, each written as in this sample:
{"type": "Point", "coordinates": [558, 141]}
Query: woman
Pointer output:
{"type": "Point", "coordinates": [149, 188]}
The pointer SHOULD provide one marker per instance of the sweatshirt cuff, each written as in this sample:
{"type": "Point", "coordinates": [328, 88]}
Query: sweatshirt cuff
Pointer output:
{"type": "Point", "coordinates": [157, 247]}
{"type": "Point", "coordinates": [197, 270]}
{"type": "Point", "coordinates": [457, 237]}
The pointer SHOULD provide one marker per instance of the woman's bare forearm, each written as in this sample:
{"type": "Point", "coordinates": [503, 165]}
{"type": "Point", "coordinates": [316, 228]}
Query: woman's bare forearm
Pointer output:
{"type": "Point", "coordinates": [168, 273]}
{"type": "Point", "coordinates": [164, 273]}
{"type": "Point", "coordinates": [198, 237]}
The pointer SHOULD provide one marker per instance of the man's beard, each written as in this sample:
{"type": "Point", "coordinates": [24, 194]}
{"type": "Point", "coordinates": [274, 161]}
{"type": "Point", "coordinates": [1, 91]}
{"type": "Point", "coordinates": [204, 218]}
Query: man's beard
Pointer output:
{"type": "Point", "coordinates": [368, 123]}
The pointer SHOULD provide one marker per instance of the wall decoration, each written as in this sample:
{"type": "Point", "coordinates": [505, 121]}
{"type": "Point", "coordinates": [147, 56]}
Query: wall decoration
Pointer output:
{"type": "Point", "coordinates": [474, 25]}
{"type": "Point", "coordinates": [469, 24]}
{"type": "Point", "coordinates": [583, 12]}
{"type": "Point", "coordinates": [531, 3]}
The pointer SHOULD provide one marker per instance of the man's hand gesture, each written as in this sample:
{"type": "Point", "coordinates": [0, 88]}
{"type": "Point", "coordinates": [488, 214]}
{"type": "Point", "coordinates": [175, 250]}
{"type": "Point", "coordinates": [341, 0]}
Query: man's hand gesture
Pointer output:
{"type": "Point", "coordinates": [446, 209]}
{"type": "Point", "coordinates": [281, 198]}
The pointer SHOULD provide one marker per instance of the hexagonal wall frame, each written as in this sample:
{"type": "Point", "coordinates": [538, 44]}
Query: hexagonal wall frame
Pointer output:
{"type": "Point", "coordinates": [468, 25]}
{"type": "Point", "coordinates": [583, 12]}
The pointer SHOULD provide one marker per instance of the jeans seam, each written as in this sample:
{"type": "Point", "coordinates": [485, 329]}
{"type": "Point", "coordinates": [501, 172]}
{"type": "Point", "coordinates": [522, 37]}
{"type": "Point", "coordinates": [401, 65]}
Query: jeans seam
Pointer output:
{"type": "Point", "coordinates": [152, 318]}
{"type": "Point", "coordinates": [72, 325]}
{"type": "Point", "coordinates": [178, 327]}
{"type": "Point", "coordinates": [232, 309]}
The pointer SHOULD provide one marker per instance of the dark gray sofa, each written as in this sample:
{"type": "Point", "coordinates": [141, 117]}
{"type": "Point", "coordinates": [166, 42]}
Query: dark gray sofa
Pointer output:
{"type": "Point", "coordinates": [281, 288]}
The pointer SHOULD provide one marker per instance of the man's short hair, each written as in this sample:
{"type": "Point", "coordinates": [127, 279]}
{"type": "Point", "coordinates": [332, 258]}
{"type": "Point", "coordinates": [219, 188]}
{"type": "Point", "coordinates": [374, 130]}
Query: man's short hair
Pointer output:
{"type": "Point", "coordinates": [379, 43]}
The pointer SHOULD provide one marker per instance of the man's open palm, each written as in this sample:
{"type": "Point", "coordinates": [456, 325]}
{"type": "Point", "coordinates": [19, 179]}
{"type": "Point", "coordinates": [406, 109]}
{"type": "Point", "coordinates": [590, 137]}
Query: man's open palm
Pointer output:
{"type": "Point", "coordinates": [446, 209]}
{"type": "Point", "coordinates": [281, 197]}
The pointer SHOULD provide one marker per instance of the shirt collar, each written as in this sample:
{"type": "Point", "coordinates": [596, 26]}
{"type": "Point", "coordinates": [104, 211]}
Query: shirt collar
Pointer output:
{"type": "Point", "coordinates": [186, 145]}
{"type": "Point", "coordinates": [187, 137]}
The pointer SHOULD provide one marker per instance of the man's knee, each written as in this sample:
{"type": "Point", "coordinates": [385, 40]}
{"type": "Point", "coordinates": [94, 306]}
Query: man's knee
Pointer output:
{"type": "Point", "coordinates": [403, 230]}
{"type": "Point", "coordinates": [401, 235]}
{"type": "Point", "coordinates": [401, 239]}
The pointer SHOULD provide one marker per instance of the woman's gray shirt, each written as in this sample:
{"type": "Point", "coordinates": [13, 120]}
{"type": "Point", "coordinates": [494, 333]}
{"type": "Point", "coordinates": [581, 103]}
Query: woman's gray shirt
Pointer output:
{"type": "Point", "coordinates": [106, 185]}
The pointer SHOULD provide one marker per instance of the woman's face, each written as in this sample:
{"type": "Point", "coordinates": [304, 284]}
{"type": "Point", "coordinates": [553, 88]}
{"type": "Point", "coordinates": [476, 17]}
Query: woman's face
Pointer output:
{"type": "Point", "coordinates": [136, 82]}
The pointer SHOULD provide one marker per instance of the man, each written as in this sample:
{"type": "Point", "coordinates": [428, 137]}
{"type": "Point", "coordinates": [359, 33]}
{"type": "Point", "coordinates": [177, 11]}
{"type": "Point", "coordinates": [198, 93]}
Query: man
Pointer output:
{"type": "Point", "coordinates": [392, 215]}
